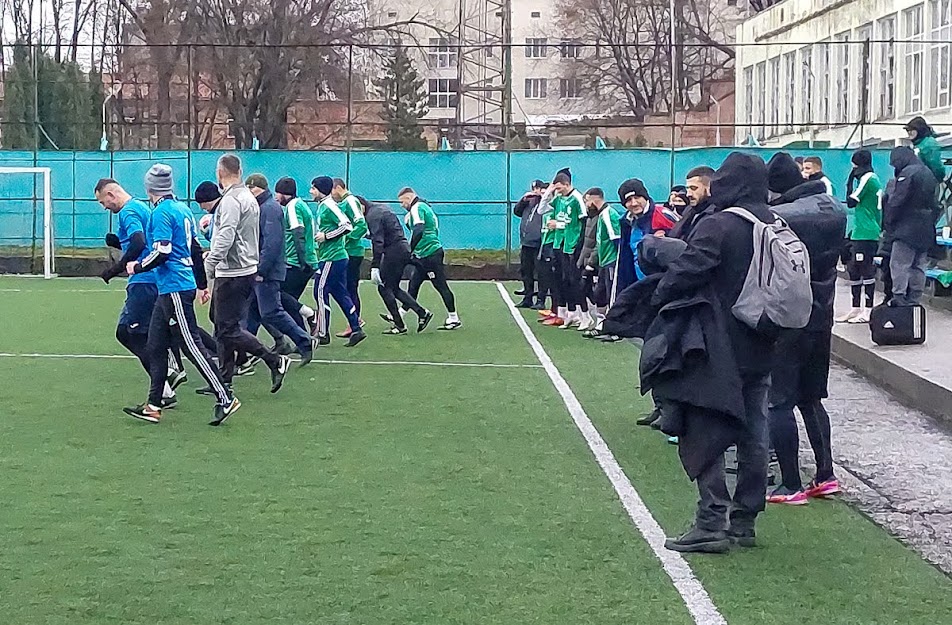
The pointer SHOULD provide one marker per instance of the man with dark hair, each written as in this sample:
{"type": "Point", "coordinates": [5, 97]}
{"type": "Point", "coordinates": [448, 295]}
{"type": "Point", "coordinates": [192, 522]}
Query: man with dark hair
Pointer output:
{"type": "Point", "coordinates": [602, 262]}
{"type": "Point", "coordinates": [698, 189]}
{"type": "Point", "coordinates": [864, 195]}
{"type": "Point", "coordinates": [802, 358]}
{"type": "Point", "coordinates": [268, 306]}
{"type": "Point", "coordinates": [566, 222]}
{"type": "Point", "coordinates": [354, 245]}
{"type": "Point", "coordinates": [587, 263]}
{"type": "Point", "coordinates": [427, 253]}
{"type": "Point", "coordinates": [176, 259]}
{"type": "Point", "coordinates": [300, 249]}
{"type": "Point", "coordinates": [333, 225]}
{"type": "Point", "coordinates": [813, 170]}
{"type": "Point", "coordinates": [391, 255]}
{"type": "Point", "coordinates": [233, 263]}
{"type": "Point", "coordinates": [530, 238]}
{"type": "Point", "coordinates": [132, 331]}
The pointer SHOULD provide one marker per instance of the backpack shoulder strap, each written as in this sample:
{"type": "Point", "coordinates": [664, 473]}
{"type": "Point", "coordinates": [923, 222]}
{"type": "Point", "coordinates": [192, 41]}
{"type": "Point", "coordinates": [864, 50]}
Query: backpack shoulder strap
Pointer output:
{"type": "Point", "coordinates": [743, 213]}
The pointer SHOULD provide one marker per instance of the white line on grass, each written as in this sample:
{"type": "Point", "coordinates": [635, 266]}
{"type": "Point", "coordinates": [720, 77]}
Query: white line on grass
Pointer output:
{"type": "Point", "coordinates": [320, 361]}
{"type": "Point", "coordinates": [695, 597]}
{"type": "Point", "coordinates": [61, 291]}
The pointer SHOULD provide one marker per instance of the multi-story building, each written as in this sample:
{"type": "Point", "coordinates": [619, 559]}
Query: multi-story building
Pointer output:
{"type": "Point", "coordinates": [845, 73]}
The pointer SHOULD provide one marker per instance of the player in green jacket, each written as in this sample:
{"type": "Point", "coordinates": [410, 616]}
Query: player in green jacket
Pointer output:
{"type": "Point", "coordinates": [566, 221]}
{"type": "Point", "coordinates": [926, 146]}
{"type": "Point", "coordinates": [354, 243]}
{"type": "Point", "coordinates": [427, 253]}
{"type": "Point", "coordinates": [865, 200]}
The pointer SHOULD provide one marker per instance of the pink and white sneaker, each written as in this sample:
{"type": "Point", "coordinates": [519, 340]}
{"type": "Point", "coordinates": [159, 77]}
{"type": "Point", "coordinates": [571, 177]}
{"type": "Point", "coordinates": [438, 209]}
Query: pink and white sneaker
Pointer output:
{"type": "Point", "coordinates": [828, 488]}
{"type": "Point", "coordinates": [788, 497]}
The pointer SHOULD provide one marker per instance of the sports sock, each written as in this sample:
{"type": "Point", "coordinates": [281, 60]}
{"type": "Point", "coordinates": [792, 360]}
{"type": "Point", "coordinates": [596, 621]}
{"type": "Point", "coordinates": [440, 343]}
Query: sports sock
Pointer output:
{"type": "Point", "coordinates": [563, 312]}
{"type": "Point", "coordinates": [167, 391]}
{"type": "Point", "coordinates": [452, 317]}
{"type": "Point", "coordinates": [306, 311]}
{"type": "Point", "coordinates": [870, 294]}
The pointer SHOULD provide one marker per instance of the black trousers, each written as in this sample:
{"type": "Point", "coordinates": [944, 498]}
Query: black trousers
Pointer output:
{"type": "Point", "coordinates": [231, 302]}
{"type": "Point", "coordinates": [431, 268]}
{"type": "Point", "coordinates": [528, 257]}
{"type": "Point", "coordinates": [571, 278]}
{"type": "Point", "coordinates": [392, 266]}
{"type": "Point", "coordinates": [354, 265]}
{"type": "Point", "coordinates": [550, 275]}
{"type": "Point", "coordinates": [862, 271]}
{"type": "Point", "coordinates": [295, 282]}
{"type": "Point", "coordinates": [173, 324]}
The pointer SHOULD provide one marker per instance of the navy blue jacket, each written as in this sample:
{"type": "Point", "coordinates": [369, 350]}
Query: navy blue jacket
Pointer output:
{"type": "Point", "coordinates": [272, 263]}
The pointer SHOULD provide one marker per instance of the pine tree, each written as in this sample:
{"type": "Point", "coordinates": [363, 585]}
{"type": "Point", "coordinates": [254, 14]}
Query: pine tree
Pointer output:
{"type": "Point", "coordinates": [405, 103]}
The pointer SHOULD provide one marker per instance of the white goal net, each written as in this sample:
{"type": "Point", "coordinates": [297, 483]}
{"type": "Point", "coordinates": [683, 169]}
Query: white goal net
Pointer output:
{"type": "Point", "coordinates": [26, 198]}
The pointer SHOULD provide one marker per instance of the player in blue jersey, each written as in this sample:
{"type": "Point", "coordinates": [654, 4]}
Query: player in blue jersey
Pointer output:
{"type": "Point", "coordinates": [132, 330]}
{"type": "Point", "coordinates": [176, 261]}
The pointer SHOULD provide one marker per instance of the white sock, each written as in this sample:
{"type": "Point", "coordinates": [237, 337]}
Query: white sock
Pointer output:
{"type": "Point", "coordinates": [452, 317]}
{"type": "Point", "coordinates": [306, 311]}
{"type": "Point", "coordinates": [167, 391]}
{"type": "Point", "coordinates": [563, 312]}
{"type": "Point", "coordinates": [403, 312]}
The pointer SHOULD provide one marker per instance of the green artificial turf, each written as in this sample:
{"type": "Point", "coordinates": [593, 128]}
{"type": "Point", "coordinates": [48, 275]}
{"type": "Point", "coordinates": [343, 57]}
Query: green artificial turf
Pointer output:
{"type": "Point", "coordinates": [377, 494]}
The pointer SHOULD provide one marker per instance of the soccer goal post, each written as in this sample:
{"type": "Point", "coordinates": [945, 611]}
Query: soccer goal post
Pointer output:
{"type": "Point", "coordinates": [49, 260]}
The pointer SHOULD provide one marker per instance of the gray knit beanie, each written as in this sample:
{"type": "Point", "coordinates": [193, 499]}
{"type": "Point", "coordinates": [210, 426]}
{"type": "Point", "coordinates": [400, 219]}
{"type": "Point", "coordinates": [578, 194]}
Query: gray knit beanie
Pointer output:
{"type": "Point", "coordinates": [158, 181]}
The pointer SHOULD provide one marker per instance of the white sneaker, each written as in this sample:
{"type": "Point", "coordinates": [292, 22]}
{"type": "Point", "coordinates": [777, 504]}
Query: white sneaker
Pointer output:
{"type": "Point", "coordinates": [847, 317]}
{"type": "Point", "coordinates": [862, 317]}
{"type": "Point", "coordinates": [587, 323]}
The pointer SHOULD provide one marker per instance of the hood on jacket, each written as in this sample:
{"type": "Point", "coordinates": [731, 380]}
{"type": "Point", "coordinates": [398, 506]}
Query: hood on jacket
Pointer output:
{"type": "Point", "coordinates": [783, 173]}
{"type": "Point", "coordinates": [740, 181]}
{"type": "Point", "coordinates": [806, 188]}
{"type": "Point", "coordinates": [921, 128]}
{"type": "Point", "coordinates": [902, 157]}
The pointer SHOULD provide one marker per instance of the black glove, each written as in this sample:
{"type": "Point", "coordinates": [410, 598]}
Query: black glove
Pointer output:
{"type": "Point", "coordinates": [851, 202]}
{"type": "Point", "coordinates": [112, 240]}
{"type": "Point", "coordinates": [107, 274]}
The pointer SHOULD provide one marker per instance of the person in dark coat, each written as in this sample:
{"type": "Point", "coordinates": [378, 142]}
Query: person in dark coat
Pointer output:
{"type": "Point", "coordinates": [909, 220]}
{"type": "Point", "coordinates": [268, 300]}
{"type": "Point", "coordinates": [530, 237]}
{"type": "Point", "coordinates": [699, 196]}
{"type": "Point", "coordinates": [717, 259]}
{"type": "Point", "coordinates": [802, 361]}
{"type": "Point", "coordinates": [926, 146]}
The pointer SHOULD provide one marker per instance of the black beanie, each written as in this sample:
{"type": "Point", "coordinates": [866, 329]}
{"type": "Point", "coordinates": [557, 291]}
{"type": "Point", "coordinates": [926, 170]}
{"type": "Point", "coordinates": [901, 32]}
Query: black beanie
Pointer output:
{"type": "Point", "coordinates": [207, 192]}
{"type": "Point", "coordinates": [323, 184]}
{"type": "Point", "coordinates": [286, 186]}
{"type": "Point", "coordinates": [783, 173]}
{"type": "Point", "coordinates": [862, 159]}
{"type": "Point", "coordinates": [632, 188]}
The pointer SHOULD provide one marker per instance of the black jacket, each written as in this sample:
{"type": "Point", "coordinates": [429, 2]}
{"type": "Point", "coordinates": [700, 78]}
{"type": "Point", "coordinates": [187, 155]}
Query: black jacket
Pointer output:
{"type": "Point", "coordinates": [530, 226]}
{"type": "Point", "coordinates": [911, 209]}
{"type": "Point", "coordinates": [820, 222]}
{"type": "Point", "coordinates": [719, 255]}
{"type": "Point", "coordinates": [692, 215]}
{"type": "Point", "coordinates": [386, 232]}
{"type": "Point", "coordinates": [272, 262]}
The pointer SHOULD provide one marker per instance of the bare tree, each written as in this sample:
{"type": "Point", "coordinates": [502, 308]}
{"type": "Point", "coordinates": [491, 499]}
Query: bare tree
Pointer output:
{"type": "Point", "coordinates": [635, 61]}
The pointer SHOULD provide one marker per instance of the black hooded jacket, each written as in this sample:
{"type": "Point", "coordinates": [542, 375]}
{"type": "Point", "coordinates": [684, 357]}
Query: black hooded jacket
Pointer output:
{"type": "Point", "coordinates": [692, 215]}
{"type": "Point", "coordinates": [820, 222]}
{"type": "Point", "coordinates": [720, 253]}
{"type": "Point", "coordinates": [911, 209]}
{"type": "Point", "coordinates": [385, 231]}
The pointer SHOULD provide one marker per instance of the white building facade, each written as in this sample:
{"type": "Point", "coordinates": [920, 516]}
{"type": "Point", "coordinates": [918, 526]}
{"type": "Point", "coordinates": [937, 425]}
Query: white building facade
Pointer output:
{"type": "Point", "coordinates": [843, 72]}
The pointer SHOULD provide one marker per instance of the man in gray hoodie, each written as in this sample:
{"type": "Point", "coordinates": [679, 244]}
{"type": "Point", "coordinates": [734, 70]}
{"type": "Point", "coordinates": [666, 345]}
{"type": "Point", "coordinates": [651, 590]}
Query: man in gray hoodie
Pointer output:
{"type": "Point", "coordinates": [233, 262]}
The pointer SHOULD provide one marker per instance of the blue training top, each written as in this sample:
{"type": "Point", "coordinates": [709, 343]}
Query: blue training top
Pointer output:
{"type": "Point", "coordinates": [171, 231]}
{"type": "Point", "coordinates": [134, 217]}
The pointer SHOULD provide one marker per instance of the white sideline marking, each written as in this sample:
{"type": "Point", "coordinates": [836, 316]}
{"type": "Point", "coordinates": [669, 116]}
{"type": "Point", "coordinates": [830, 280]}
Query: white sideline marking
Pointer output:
{"type": "Point", "coordinates": [61, 291]}
{"type": "Point", "coordinates": [320, 361]}
{"type": "Point", "coordinates": [695, 597]}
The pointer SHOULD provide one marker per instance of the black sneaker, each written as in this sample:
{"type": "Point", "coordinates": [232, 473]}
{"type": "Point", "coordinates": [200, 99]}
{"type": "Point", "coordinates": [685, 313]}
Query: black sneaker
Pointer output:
{"type": "Point", "coordinates": [356, 338]}
{"type": "Point", "coordinates": [699, 541]}
{"type": "Point", "coordinates": [306, 357]}
{"type": "Point", "coordinates": [451, 325]}
{"type": "Point", "coordinates": [395, 331]}
{"type": "Point", "coordinates": [278, 373]}
{"type": "Point", "coordinates": [248, 368]}
{"type": "Point", "coordinates": [386, 317]}
{"type": "Point", "coordinates": [168, 403]}
{"type": "Point", "coordinates": [520, 292]}
{"type": "Point", "coordinates": [210, 391]}
{"type": "Point", "coordinates": [324, 340]}
{"type": "Point", "coordinates": [424, 321]}
{"type": "Point", "coordinates": [526, 303]}
{"type": "Point", "coordinates": [538, 306]}
{"type": "Point", "coordinates": [144, 412]}
{"type": "Point", "coordinates": [222, 412]}
{"type": "Point", "coordinates": [742, 537]}
{"type": "Point", "coordinates": [650, 419]}
{"type": "Point", "coordinates": [312, 324]}
{"type": "Point", "coordinates": [176, 379]}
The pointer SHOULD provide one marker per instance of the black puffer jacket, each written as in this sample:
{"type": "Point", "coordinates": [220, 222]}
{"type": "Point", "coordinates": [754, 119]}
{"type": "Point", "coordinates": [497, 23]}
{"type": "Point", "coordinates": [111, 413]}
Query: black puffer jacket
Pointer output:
{"type": "Point", "coordinates": [530, 226]}
{"type": "Point", "coordinates": [911, 209]}
{"type": "Point", "coordinates": [820, 222]}
{"type": "Point", "coordinates": [719, 254]}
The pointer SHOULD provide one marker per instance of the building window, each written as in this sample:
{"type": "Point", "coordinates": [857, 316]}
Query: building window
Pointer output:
{"type": "Point", "coordinates": [760, 87]}
{"type": "Point", "coordinates": [823, 83]}
{"type": "Point", "coordinates": [570, 88]}
{"type": "Point", "coordinates": [443, 93]}
{"type": "Point", "coordinates": [570, 49]}
{"type": "Point", "coordinates": [843, 85]}
{"type": "Point", "coordinates": [536, 48]}
{"type": "Point", "coordinates": [806, 82]}
{"type": "Point", "coordinates": [535, 88]}
{"type": "Point", "coordinates": [749, 99]}
{"type": "Point", "coordinates": [912, 27]}
{"type": "Point", "coordinates": [790, 89]}
{"type": "Point", "coordinates": [863, 71]}
{"type": "Point", "coordinates": [442, 54]}
{"type": "Point", "coordinates": [886, 57]}
{"type": "Point", "coordinates": [941, 21]}
{"type": "Point", "coordinates": [773, 106]}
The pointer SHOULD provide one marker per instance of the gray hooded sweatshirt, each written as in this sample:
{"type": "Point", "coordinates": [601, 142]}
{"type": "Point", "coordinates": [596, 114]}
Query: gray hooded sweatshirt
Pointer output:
{"type": "Point", "coordinates": [234, 248]}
